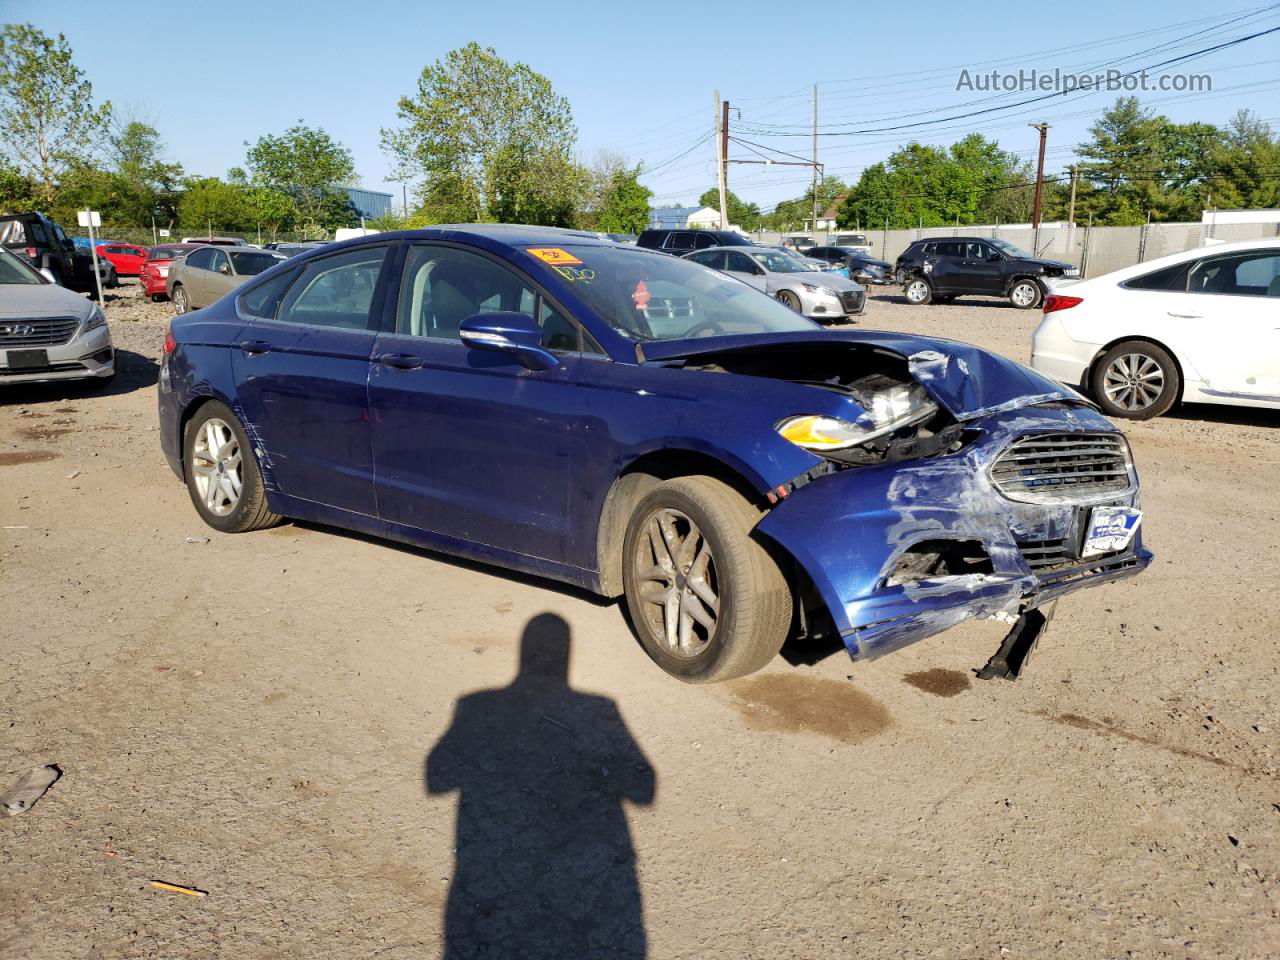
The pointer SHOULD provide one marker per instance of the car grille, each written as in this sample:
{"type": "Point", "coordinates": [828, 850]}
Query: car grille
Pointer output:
{"type": "Point", "coordinates": [1063, 468]}
{"type": "Point", "coordinates": [43, 332]}
{"type": "Point", "coordinates": [853, 301]}
{"type": "Point", "coordinates": [1046, 556]}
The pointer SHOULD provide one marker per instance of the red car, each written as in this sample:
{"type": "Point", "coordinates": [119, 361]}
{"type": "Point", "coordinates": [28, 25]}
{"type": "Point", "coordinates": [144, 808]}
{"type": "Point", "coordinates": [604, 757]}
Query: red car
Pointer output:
{"type": "Point", "coordinates": [125, 257]}
{"type": "Point", "coordinates": [155, 271]}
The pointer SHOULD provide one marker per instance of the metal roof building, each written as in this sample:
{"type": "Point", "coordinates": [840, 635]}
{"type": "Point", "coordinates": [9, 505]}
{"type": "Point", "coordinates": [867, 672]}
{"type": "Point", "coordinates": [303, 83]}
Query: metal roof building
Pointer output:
{"type": "Point", "coordinates": [370, 204]}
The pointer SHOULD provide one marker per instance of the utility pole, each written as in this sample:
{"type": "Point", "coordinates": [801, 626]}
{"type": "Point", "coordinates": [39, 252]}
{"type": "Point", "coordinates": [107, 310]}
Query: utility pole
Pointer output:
{"type": "Point", "coordinates": [1071, 210]}
{"type": "Point", "coordinates": [723, 170]}
{"type": "Point", "coordinates": [814, 224]}
{"type": "Point", "coordinates": [1035, 203]}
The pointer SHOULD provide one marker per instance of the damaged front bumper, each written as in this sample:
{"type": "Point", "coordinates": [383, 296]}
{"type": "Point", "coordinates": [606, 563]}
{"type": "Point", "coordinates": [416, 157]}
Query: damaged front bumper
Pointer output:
{"type": "Point", "coordinates": [851, 529]}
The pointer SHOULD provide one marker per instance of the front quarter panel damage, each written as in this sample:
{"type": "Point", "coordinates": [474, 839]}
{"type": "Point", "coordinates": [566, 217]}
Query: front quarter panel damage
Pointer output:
{"type": "Point", "coordinates": [847, 530]}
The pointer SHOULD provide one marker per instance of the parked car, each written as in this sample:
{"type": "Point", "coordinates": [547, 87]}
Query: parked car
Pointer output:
{"type": "Point", "coordinates": [293, 249]}
{"type": "Point", "coordinates": [126, 258]}
{"type": "Point", "coordinates": [43, 244]}
{"type": "Point", "coordinates": [154, 276]}
{"type": "Point", "coordinates": [861, 266]}
{"type": "Point", "coordinates": [810, 263]}
{"type": "Point", "coordinates": [218, 241]}
{"type": "Point", "coordinates": [938, 271]}
{"type": "Point", "coordinates": [824, 297]}
{"type": "Point", "coordinates": [209, 273]}
{"type": "Point", "coordinates": [46, 331]}
{"type": "Point", "coordinates": [641, 426]}
{"type": "Point", "coordinates": [679, 242]}
{"type": "Point", "coordinates": [798, 241]}
{"type": "Point", "coordinates": [858, 241]}
{"type": "Point", "coordinates": [1202, 325]}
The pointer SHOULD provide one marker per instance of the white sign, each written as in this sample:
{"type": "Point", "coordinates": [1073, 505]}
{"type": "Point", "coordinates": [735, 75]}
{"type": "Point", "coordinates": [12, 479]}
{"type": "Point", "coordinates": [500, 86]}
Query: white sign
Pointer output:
{"type": "Point", "coordinates": [164, 233]}
{"type": "Point", "coordinates": [89, 218]}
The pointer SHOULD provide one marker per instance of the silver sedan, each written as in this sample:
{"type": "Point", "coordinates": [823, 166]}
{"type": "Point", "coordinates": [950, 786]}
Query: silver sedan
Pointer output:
{"type": "Point", "coordinates": [825, 297]}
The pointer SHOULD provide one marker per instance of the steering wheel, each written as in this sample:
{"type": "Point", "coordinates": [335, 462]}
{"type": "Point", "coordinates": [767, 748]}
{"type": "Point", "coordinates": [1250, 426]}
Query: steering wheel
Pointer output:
{"type": "Point", "coordinates": [703, 328]}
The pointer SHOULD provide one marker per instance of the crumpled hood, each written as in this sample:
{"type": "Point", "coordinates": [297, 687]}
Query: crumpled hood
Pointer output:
{"type": "Point", "coordinates": [31, 301]}
{"type": "Point", "coordinates": [965, 380]}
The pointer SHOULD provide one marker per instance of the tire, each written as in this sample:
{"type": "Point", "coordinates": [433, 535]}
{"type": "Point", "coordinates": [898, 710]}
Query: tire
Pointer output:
{"type": "Point", "coordinates": [181, 302]}
{"type": "Point", "coordinates": [751, 612]}
{"type": "Point", "coordinates": [211, 431]}
{"type": "Point", "coordinates": [1136, 380]}
{"type": "Point", "coordinates": [113, 280]}
{"type": "Point", "coordinates": [918, 291]}
{"type": "Point", "coordinates": [1025, 294]}
{"type": "Point", "coordinates": [789, 299]}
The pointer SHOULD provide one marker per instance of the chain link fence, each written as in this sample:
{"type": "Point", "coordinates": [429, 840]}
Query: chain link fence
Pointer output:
{"type": "Point", "coordinates": [1095, 250]}
{"type": "Point", "coordinates": [150, 237]}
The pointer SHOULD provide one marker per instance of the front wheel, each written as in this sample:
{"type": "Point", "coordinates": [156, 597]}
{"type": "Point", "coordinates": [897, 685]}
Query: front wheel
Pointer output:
{"type": "Point", "coordinates": [1025, 294]}
{"type": "Point", "coordinates": [1135, 380]}
{"type": "Point", "coordinates": [222, 472]}
{"type": "Point", "coordinates": [708, 602]}
{"type": "Point", "coordinates": [181, 304]}
{"type": "Point", "coordinates": [789, 299]}
{"type": "Point", "coordinates": [918, 292]}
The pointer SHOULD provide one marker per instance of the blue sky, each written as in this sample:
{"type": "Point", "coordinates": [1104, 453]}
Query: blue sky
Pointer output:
{"type": "Point", "coordinates": [640, 78]}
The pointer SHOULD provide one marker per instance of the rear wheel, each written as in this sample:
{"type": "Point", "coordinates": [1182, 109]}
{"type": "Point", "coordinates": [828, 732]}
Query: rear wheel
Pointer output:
{"type": "Point", "coordinates": [1136, 380]}
{"type": "Point", "coordinates": [222, 473]}
{"type": "Point", "coordinates": [918, 291]}
{"type": "Point", "coordinates": [708, 602]}
{"type": "Point", "coordinates": [180, 302]}
{"type": "Point", "coordinates": [1025, 294]}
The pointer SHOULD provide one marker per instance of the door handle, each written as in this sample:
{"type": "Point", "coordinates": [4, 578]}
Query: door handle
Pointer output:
{"type": "Point", "coordinates": [254, 346]}
{"type": "Point", "coordinates": [400, 361]}
{"type": "Point", "coordinates": [1186, 316]}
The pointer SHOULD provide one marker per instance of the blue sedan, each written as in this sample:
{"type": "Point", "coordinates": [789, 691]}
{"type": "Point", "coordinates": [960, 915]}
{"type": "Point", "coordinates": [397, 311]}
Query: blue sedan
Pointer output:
{"type": "Point", "coordinates": [643, 426]}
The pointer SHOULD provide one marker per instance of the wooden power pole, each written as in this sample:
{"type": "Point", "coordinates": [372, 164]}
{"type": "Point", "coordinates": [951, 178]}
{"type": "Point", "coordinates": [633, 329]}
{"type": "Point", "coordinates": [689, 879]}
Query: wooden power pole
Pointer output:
{"type": "Point", "coordinates": [1035, 203]}
{"type": "Point", "coordinates": [1071, 210]}
{"type": "Point", "coordinates": [724, 164]}
{"type": "Point", "coordinates": [814, 224]}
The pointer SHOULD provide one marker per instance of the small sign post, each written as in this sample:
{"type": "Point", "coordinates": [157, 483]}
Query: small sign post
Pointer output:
{"type": "Point", "coordinates": [91, 219]}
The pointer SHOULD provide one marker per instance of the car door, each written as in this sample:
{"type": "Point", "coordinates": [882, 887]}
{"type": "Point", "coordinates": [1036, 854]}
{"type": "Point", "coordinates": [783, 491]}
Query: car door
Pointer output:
{"type": "Point", "coordinates": [221, 278]}
{"type": "Point", "coordinates": [941, 265]}
{"type": "Point", "coordinates": [745, 269]}
{"type": "Point", "coordinates": [470, 444]}
{"type": "Point", "coordinates": [983, 267]}
{"type": "Point", "coordinates": [194, 269]}
{"type": "Point", "coordinates": [301, 372]}
{"type": "Point", "coordinates": [1229, 318]}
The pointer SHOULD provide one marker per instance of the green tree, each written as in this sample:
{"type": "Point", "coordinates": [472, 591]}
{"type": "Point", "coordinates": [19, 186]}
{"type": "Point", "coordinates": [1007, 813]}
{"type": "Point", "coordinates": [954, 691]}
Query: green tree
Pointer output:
{"type": "Point", "coordinates": [17, 192]}
{"type": "Point", "coordinates": [272, 210]}
{"type": "Point", "coordinates": [209, 202]}
{"type": "Point", "coordinates": [48, 120]}
{"type": "Point", "coordinates": [304, 162]}
{"type": "Point", "coordinates": [487, 139]}
{"type": "Point", "coordinates": [744, 215]}
{"type": "Point", "coordinates": [1246, 165]}
{"type": "Point", "coordinates": [149, 184]}
{"type": "Point", "coordinates": [626, 205]}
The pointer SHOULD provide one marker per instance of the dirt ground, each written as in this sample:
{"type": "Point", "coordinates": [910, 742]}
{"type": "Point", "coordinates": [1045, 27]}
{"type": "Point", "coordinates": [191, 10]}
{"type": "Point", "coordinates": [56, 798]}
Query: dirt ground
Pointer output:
{"type": "Point", "coordinates": [270, 718]}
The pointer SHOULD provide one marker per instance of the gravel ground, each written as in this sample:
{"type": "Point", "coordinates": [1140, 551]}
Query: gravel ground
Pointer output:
{"type": "Point", "coordinates": [305, 723]}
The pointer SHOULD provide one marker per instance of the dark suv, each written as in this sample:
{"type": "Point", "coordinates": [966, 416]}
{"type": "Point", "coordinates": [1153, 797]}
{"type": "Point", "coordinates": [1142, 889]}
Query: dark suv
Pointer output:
{"type": "Point", "coordinates": [942, 269]}
{"type": "Point", "coordinates": [40, 242]}
{"type": "Point", "coordinates": [679, 242]}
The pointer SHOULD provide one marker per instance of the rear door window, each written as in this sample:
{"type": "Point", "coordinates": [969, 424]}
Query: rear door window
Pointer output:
{"type": "Point", "coordinates": [1254, 274]}
{"type": "Point", "coordinates": [335, 291]}
{"type": "Point", "coordinates": [704, 240]}
{"type": "Point", "coordinates": [679, 240]}
{"type": "Point", "coordinates": [200, 259]}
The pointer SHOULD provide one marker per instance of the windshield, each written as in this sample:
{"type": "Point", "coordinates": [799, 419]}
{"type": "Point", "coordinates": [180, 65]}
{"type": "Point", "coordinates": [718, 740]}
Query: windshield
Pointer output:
{"type": "Point", "coordinates": [166, 252]}
{"type": "Point", "coordinates": [13, 270]}
{"type": "Point", "coordinates": [250, 264]}
{"type": "Point", "coordinates": [775, 261]}
{"type": "Point", "coordinates": [1008, 248]}
{"type": "Point", "coordinates": [651, 296]}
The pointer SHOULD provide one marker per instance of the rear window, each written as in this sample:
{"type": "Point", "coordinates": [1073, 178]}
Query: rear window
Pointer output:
{"type": "Point", "coordinates": [165, 252]}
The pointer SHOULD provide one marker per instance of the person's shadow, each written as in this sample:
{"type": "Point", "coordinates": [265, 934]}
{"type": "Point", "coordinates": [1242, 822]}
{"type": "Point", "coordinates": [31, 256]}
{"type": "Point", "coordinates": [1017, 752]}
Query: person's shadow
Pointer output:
{"type": "Point", "coordinates": [544, 861]}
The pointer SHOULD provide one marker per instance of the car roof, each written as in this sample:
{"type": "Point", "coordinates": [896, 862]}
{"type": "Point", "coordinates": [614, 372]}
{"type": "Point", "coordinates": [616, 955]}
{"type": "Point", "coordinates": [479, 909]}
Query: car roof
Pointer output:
{"type": "Point", "coordinates": [1182, 256]}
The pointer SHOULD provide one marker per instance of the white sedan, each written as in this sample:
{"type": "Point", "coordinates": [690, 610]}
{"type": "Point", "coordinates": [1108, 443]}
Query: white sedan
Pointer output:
{"type": "Point", "coordinates": [1201, 326]}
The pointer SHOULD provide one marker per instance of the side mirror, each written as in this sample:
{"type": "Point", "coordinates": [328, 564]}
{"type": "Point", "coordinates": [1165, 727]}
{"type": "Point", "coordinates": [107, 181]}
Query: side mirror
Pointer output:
{"type": "Point", "coordinates": [517, 334]}
{"type": "Point", "coordinates": [994, 258]}
{"type": "Point", "coordinates": [225, 270]}
{"type": "Point", "coordinates": [48, 274]}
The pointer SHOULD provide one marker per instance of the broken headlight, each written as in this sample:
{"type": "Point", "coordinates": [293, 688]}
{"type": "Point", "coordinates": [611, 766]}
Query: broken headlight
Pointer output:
{"type": "Point", "coordinates": [888, 410]}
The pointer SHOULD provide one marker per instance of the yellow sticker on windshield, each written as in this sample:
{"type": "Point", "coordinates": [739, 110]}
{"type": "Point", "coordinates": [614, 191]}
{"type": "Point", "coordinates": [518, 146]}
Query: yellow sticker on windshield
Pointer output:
{"type": "Point", "coordinates": [554, 256]}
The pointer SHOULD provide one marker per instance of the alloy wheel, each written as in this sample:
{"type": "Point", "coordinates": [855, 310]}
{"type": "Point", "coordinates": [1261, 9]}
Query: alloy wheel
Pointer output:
{"type": "Point", "coordinates": [180, 301]}
{"type": "Point", "coordinates": [790, 299]}
{"type": "Point", "coordinates": [917, 290]}
{"type": "Point", "coordinates": [679, 587]}
{"type": "Point", "coordinates": [218, 467]}
{"type": "Point", "coordinates": [1133, 381]}
{"type": "Point", "coordinates": [1023, 295]}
